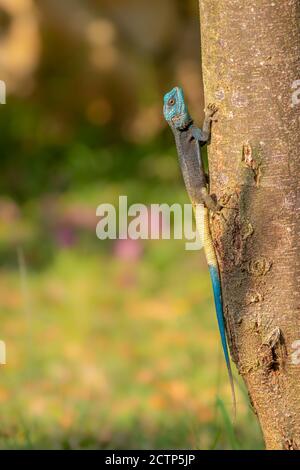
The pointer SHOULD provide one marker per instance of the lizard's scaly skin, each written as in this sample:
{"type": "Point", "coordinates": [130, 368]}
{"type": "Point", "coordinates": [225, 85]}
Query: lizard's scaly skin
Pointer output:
{"type": "Point", "coordinates": [202, 225]}
{"type": "Point", "coordinates": [212, 262]}
{"type": "Point", "coordinates": [187, 139]}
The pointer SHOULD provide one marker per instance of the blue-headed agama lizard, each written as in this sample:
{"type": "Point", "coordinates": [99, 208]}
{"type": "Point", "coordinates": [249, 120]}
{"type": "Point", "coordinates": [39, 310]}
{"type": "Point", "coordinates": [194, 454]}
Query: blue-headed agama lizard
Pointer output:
{"type": "Point", "coordinates": [189, 140]}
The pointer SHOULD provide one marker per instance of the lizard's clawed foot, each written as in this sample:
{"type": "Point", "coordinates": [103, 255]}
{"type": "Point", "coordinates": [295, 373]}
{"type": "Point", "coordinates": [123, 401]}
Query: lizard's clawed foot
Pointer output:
{"type": "Point", "coordinates": [216, 210]}
{"type": "Point", "coordinates": [210, 201]}
{"type": "Point", "coordinates": [210, 110]}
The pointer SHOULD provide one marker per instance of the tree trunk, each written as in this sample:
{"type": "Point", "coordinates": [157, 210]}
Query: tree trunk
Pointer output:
{"type": "Point", "coordinates": [251, 64]}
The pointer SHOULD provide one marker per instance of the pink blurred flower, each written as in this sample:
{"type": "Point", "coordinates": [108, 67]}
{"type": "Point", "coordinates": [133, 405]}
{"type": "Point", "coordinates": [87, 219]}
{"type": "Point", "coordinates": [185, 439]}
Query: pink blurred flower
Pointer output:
{"type": "Point", "coordinates": [128, 249]}
{"type": "Point", "coordinates": [65, 236]}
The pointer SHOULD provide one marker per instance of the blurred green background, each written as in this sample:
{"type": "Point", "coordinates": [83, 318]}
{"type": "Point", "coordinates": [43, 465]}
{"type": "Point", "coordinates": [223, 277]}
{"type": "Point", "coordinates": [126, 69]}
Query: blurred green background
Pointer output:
{"type": "Point", "coordinates": [109, 344]}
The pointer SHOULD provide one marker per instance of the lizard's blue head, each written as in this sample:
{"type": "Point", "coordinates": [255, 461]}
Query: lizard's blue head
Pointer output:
{"type": "Point", "coordinates": [175, 110]}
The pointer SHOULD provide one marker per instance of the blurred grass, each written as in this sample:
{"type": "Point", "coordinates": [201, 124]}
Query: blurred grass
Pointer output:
{"type": "Point", "coordinates": [105, 352]}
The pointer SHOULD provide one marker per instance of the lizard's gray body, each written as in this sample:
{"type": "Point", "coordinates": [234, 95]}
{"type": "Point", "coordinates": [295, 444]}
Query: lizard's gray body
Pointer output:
{"type": "Point", "coordinates": [188, 140]}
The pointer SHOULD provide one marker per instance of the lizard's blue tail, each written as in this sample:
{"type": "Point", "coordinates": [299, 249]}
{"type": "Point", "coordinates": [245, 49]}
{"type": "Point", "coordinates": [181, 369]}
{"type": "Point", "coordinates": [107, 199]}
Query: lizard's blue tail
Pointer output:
{"type": "Point", "coordinates": [216, 284]}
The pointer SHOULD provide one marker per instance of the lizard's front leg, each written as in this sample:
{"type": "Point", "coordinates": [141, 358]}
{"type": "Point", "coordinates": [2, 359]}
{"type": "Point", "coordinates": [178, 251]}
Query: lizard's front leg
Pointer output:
{"type": "Point", "coordinates": [209, 112]}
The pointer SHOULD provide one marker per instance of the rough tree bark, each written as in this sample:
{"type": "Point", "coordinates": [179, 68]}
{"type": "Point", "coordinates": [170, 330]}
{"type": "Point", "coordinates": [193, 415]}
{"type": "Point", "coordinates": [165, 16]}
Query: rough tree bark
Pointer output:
{"type": "Point", "coordinates": [251, 64]}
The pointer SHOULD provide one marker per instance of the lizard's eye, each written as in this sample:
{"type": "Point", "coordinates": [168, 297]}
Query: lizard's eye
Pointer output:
{"type": "Point", "coordinates": [171, 101]}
